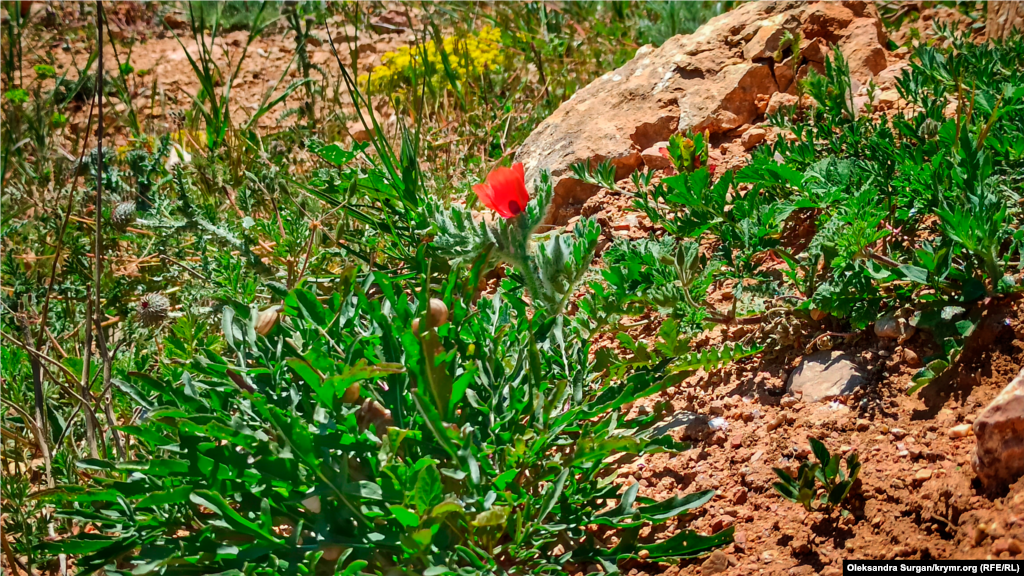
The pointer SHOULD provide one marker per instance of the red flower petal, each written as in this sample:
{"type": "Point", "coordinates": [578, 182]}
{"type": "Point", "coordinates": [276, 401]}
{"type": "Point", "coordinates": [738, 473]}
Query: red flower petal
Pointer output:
{"type": "Point", "coordinates": [505, 191]}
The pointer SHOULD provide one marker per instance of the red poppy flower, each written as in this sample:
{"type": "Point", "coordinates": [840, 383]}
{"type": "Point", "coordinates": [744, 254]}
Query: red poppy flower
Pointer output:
{"type": "Point", "coordinates": [505, 191]}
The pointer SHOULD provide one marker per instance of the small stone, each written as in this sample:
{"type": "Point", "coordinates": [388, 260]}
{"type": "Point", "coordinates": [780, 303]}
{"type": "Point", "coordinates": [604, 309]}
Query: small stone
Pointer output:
{"type": "Point", "coordinates": [781, 100]}
{"type": "Point", "coordinates": [716, 563]}
{"type": "Point", "coordinates": [999, 454]}
{"type": "Point", "coordinates": [923, 475]}
{"type": "Point", "coordinates": [753, 137]}
{"type": "Point", "coordinates": [739, 495]}
{"type": "Point", "coordinates": [654, 159]}
{"type": "Point", "coordinates": [768, 556]}
{"type": "Point", "coordinates": [736, 441]}
{"type": "Point", "coordinates": [863, 425]}
{"type": "Point", "coordinates": [789, 401]}
{"type": "Point", "coordinates": [644, 554]}
{"type": "Point", "coordinates": [778, 421]}
{"type": "Point", "coordinates": [722, 522]}
{"type": "Point", "coordinates": [961, 431]}
{"type": "Point", "coordinates": [826, 374]}
{"type": "Point", "coordinates": [800, 545]}
{"type": "Point", "coordinates": [1011, 545]}
{"type": "Point", "coordinates": [911, 358]}
{"type": "Point", "coordinates": [898, 329]}
{"type": "Point", "coordinates": [888, 98]}
{"type": "Point", "coordinates": [898, 433]}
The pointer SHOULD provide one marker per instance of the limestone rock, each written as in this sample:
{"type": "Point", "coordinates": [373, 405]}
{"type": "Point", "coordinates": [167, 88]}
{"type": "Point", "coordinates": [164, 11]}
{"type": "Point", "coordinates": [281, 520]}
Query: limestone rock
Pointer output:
{"type": "Point", "coordinates": [753, 137]}
{"type": "Point", "coordinates": [653, 158]}
{"type": "Point", "coordinates": [780, 100]}
{"type": "Point", "coordinates": [863, 48]}
{"type": "Point", "coordinates": [826, 374]}
{"type": "Point", "coordinates": [716, 563]}
{"type": "Point", "coordinates": [1002, 18]}
{"type": "Point", "coordinates": [999, 456]}
{"type": "Point", "coordinates": [717, 79]}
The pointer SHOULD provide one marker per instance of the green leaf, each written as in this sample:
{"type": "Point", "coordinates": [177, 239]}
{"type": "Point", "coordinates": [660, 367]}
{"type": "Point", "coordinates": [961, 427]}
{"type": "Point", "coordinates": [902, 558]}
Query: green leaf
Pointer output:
{"type": "Point", "coordinates": [428, 492]}
{"type": "Point", "coordinates": [165, 497]}
{"type": "Point", "coordinates": [496, 516]}
{"type": "Point", "coordinates": [788, 491]}
{"type": "Point", "coordinates": [405, 516]}
{"type": "Point", "coordinates": [216, 502]}
{"type": "Point", "coordinates": [552, 494]}
{"type": "Point", "coordinates": [305, 303]}
{"type": "Point", "coordinates": [689, 544]}
{"type": "Point", "coordinates": [337, 155]}
{"type": "Point", "coordinates": [838, 492]}
{"type": "Point", "coordinates": [820, 452]}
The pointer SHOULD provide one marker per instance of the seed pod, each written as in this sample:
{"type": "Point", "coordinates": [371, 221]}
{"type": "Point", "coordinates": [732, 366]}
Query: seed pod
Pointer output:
{"type": "Point", "coordinates": [437, 312]}
{"type": "Point", "coordinates": [267, 319]}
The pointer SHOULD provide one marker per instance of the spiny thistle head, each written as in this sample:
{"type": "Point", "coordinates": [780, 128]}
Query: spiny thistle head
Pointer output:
{"type": "Point", "coordinates": [929, 129]}
{"type": "Point", "coordinates": [123, 215]}
{"type": "Point", "coordinates": [152, 308]}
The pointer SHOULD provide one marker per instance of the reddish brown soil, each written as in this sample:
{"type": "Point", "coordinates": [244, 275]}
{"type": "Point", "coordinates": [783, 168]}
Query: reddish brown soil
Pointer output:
{"type": "Point", "coordinates": [917, 496]}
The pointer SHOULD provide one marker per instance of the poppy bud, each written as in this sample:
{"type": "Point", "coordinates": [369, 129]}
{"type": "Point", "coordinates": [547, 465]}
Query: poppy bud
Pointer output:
{"type": "Point", "coordinates": [351, 395]}
{"type": "Point", "coordinates": [437, 312]}
{"type": "Point", "coordinates": [267, 319]}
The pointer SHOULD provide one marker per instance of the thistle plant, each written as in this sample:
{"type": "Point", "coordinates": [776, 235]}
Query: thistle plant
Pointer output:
{"type": "Point", "coordinates": [549, 265]}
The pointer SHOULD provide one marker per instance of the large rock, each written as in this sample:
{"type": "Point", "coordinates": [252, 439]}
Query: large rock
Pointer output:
{"type": "Point", "coordinates": [1002, 18]}
{"type": "Point", "coordinates": [717, 79]}
{"type": "Point", "coordinates": [826, 374]}
{"type": "Point", "coordinates": [999, 456]}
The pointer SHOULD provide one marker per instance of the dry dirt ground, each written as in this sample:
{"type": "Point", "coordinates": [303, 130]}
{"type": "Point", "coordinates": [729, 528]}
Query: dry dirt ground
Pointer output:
{"type": "Point", "coordinates": [163, 83]}
{"type": "Point", "coordinates": [917, 497]}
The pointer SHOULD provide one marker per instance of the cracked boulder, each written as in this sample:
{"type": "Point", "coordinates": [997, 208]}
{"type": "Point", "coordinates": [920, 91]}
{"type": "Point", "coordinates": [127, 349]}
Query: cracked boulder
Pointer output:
{"type": "Point", "coordinates": [717, 79]}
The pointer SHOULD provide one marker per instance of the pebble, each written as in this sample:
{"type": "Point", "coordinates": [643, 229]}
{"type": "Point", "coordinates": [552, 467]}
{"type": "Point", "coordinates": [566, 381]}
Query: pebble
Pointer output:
{"type": "Point", "coordinates": [644, 554]}
{"type": "Point", "coordinates": [736, 441]}
{"type": "Point", "coordinates": [800, 545]}
{"type": "Point", "coordinates": [923, 475]}
{"type": "Point", "coordinates": [739, 495]}
{"type": "Point", "coordinates": [716, 563]}
{"type": "Point", "coordinates": [863, 425]}
{"type": "Point", "coordinates": [778, 421]}
{"type": "Point", "coordinates": [722, 522]}
{"type": "Point", "coordinates": [789, 402]}
{"type": "Point", "coordinates": [768, 556]}
{"type": "Point", "coordinates": [961, 431]}
{"type": "Point", "coordinates": [898, 433]}
{"type": "Point", "coordinates": [1011, 545]}
{"type": "Point", "coordinates": [911, 357]}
